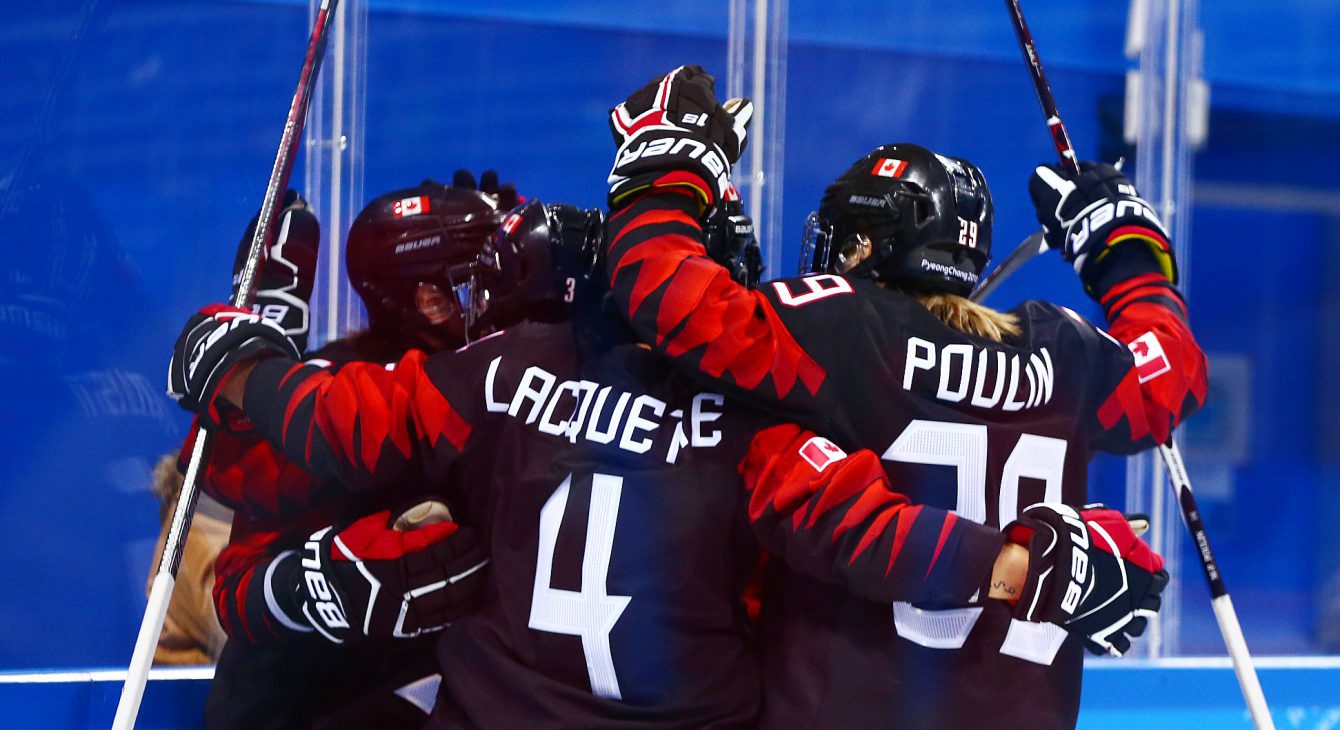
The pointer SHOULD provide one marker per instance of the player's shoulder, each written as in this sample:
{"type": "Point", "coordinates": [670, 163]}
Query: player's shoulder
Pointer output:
{"type": "Point", "coordinates": [1047, 321]}
{"type": "Point", "coordinates": [825, 296]}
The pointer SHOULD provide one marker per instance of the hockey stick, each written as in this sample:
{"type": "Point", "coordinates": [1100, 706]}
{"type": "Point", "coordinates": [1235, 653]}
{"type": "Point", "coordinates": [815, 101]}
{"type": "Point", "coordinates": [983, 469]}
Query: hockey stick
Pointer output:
{"type": "Point", "coordinates": [132, 692]}
{"type": "Point", "coordinates": [1022, 254]}
{"type": "Point", "coordinates": [1224, 614]}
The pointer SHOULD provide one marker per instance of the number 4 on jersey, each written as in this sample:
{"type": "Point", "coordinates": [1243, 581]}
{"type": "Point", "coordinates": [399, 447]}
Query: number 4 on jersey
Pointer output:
{"type": "Point", "coordinates": [591, 612]}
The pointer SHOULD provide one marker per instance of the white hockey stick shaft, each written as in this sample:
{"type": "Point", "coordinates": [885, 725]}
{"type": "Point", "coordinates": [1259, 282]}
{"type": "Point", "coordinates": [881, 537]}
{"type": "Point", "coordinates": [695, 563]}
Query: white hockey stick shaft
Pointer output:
{"type": "Point", "coordinates": [1172, 457]}
{"type": "Point", "coordinates": [1224, 614]}
{"type": "Point", "coordinates": [160, 594]}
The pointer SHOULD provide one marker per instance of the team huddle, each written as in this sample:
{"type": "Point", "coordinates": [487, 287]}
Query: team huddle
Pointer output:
{"type": "Point", "coordinates": [585, 470]}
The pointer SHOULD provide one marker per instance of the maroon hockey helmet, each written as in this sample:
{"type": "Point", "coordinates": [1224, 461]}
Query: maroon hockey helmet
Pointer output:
{"type": "Point", "coordinates": [926, 217]}
{"type": "Point", "coordinates": [429, 234]}
{"type": "Point", "coordinates": [542, 264]}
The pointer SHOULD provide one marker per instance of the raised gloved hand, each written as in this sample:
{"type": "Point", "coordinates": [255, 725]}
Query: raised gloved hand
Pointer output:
{"type": "Point", "coordinates": [1089, 573]}
{"type": "Point", "coordinates": [505, 193]}
{"type": "Point", "coordinates": [286, 272]}
{"type": "Point", "coordinates": [212, 342]}
{"type": "Point", "coordinates": [379, 577]}
{"type": "Point", "coordinates": [673, 132]}
{"type": "Point", "coordinates": [1087, 216]}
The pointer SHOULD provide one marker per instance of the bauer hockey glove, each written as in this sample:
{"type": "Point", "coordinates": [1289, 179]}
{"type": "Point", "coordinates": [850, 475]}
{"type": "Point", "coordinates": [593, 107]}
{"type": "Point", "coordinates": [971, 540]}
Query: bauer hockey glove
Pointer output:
{"type": "Point", "coordinates": [673, 132]}
{"type": "Point", "coordinates": [1089, 573]}
{"type": "Point", "coordinates": [1089, 215]}
{"type": "Point", "coordinates": [214, 340]}
{"type": "Point", "coordinates": [378, 578]}
{"type": "Point", "coordinates": [286, 272]}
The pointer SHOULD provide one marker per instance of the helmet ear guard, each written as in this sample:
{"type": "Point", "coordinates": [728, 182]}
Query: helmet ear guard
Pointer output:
{"type": "Point", "coordinates": [542, 263]}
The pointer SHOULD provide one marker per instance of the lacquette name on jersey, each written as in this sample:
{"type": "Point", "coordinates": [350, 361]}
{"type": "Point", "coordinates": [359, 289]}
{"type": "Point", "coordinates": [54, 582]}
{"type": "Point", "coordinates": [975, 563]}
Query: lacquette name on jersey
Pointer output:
{"type": "Point", "coordinates": [587, 410]}
{"type": "Point", "coordinates": [987, 378]}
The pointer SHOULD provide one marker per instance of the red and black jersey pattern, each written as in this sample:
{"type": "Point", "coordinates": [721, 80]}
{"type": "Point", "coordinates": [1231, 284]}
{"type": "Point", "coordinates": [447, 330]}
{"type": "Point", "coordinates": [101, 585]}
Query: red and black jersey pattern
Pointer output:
{"type": "Point", "coordinates": [372, 423]}
{"type": "Point", "coordinates": [688, 305]}
{"type": "Point", "coordinates": [1169, 379]}
{"type": "Point", "coordinates": [247, 473]}
{"type": "Point", "coordinates": [245, 610]}
{"type": "Point", "coordinates": [277, 504]}
{"type": "Point", "coordinates": [837, 518]}
{"type": "Point", "coordinates": [961, 425]}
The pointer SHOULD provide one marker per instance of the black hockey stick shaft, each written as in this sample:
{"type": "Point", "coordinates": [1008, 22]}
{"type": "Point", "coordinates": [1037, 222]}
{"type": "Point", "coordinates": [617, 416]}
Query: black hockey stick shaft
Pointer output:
{"type": "Point", "coordinates": [1060, 137]}
{"type": "Point", "coordinates": [1224, 613]}
{"type": "Point", "coordinates": [132, 692]}
{"type": "Point", "coordinates": [1030, 247]}
{"type": "Point", "coordinates": [1035, 243]}
{"type": "Point", "coordinates": [1220, 602]}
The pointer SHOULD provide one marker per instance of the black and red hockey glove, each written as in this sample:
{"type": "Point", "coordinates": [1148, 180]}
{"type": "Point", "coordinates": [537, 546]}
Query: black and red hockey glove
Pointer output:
{"type": "Point", "coordinates": [673, 133]}
{"type": "Point", "coordinates": [1088, 216]}
{"type": "Point", "coordinates": [286, 272]}
{"type": "Point", "coordinates": [504, 193]}
{"type": "Point", "coordinates": [1089, 573]}
{"type": "Point", "coordinates": [212, 342]}
{"type": "Point", "coordinates": [728, 236]}
{"type": "Point", "coordinates": [376, 579]}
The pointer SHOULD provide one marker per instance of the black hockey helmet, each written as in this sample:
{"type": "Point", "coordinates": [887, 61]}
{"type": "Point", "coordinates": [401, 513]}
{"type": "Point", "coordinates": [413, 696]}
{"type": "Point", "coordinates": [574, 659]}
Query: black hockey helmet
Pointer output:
{"type": "Point", "coordinates": [728, 236]}
{"type": "Point", "coordinates": [926, 217]}
{"type": "Point", "coordinates": [543, 262]}
{"type": "Point", "coordinates": [428, 234]}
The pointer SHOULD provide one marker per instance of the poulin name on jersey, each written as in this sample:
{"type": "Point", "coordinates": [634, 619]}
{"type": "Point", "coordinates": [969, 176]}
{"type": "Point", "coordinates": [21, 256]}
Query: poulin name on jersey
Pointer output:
{"type": "Point", "coordinates": [587, 410]}
{"type": "Point", "coordinates": [986, 377]}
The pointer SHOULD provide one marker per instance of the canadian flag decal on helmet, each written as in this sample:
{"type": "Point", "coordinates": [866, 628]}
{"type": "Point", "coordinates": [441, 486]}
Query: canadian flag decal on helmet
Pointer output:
{"type": "Point", "coordinates": [406, 207]}
{"type": "Point", "coordinates": [889, 167]}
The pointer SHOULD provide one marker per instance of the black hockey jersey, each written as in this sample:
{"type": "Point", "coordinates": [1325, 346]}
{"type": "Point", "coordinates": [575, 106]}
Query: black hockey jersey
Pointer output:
{"type": "Point", "coordinates": [608, 489]}
{"type": "Point", "coordinates": [961, 423]}
{"type": "Point", "coordinates": [272, 676]}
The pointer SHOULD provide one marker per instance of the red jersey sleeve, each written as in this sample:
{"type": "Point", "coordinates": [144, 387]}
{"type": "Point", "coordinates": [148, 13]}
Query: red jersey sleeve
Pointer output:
{"type": "Point", "coordinates": [686, 305]}
{"type": "Point", "coordinates": [247, 473]}
{"type": "Point", "coordinates": [245, 601]}
{"type": "Point", "coordinates": [1162, 376]}
{"type": "Point", "coordinates": [836, 517]}
{"type": "Point", "coordinates": [369, 426]}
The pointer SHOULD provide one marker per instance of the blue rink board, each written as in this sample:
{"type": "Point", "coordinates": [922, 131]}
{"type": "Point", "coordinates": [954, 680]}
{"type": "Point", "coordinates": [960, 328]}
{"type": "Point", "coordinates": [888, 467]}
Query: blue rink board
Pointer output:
{"type": "Point", "coordinates": [1174, 694]}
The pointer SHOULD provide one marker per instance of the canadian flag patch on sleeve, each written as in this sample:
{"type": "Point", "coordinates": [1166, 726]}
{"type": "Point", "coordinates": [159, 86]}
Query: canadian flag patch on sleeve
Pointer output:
{"type": "Point", "coordinates": [1150, 360]}
{"type": "Point", "coordinates": [819, 452]}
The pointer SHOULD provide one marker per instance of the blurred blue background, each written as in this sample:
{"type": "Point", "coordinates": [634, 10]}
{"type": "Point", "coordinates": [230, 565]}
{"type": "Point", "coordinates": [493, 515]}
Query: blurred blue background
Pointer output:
{"type": "Point", "coordinates": [132, 158]}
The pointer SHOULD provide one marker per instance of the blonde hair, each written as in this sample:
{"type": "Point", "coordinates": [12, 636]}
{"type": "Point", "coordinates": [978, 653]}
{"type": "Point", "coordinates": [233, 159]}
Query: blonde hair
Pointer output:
{"type": "Point", "coordinates": [970, 317]}
{"type": "Point", "coordinates": [167, 484]}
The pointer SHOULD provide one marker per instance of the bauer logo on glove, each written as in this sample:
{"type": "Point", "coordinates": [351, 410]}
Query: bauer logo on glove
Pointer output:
{"type": "Point", "coordinates": [1088, 572]}
{"type": "Point", "coordinates": [673, 133]}
{"type": "Point", "coordinates": [214, 341]}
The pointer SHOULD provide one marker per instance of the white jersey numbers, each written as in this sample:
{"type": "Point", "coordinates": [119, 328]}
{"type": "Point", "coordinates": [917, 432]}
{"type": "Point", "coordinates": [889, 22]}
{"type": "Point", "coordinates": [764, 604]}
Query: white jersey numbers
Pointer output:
{"type": "Point", "coordinates": [816, 287]}
{"type": "Point", "coordinates": [964, 447]}
{"type": "Point", "coordinates": [590, 612]}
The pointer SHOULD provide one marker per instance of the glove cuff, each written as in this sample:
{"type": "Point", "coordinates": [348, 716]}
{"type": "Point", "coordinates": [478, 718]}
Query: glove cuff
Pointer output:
{"type": "Point", "coordinates": [669, 158]}
{"type": "Point", "coordinates": [1126, 259]}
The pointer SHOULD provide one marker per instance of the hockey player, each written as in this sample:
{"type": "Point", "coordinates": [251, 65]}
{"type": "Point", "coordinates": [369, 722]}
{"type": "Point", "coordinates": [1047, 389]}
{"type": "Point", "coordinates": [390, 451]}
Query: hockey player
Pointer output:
{"type": "Point", "coordinates": [972, 410]}
{"type": "Point", "coordinates": [607, 487]}
{"type": "Point", "coordinates": [280, 669]}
